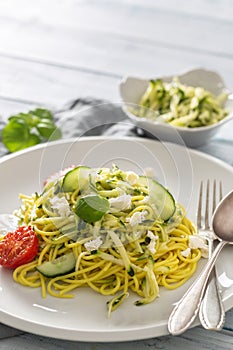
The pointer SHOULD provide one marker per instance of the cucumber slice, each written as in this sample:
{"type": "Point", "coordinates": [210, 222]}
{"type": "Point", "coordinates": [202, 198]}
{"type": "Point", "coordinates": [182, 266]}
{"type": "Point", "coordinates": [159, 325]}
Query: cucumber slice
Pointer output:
{"type": "Point", "coordinates": [58, 267]}
{"type": "Point", "coordinates": [91, 208]}
{"type": "Point", "coordinates": [77, 178]}
{"type": "Point", "coordinates": [160, 197]}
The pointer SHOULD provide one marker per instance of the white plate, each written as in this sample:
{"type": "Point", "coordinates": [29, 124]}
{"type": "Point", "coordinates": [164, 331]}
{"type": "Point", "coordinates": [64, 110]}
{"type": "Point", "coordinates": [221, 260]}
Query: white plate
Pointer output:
{"type": "Point", "coordinates": [84, 317]}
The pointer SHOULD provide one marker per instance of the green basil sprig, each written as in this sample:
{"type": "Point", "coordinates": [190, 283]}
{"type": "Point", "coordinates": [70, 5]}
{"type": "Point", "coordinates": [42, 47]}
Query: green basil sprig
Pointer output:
{"type": "Point", "coordinates": [28, 129]}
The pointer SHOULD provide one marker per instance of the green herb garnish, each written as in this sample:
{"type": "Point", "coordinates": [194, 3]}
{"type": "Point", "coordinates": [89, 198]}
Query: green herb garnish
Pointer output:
{"type": "Point", "coordinates": [91, 208]}
{"type": "Point", "coordinates": [28, 129]}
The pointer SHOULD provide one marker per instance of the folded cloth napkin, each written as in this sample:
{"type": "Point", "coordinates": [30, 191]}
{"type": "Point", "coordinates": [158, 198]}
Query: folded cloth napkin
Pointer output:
{"type": "Point", "coordinates": [92, 117]}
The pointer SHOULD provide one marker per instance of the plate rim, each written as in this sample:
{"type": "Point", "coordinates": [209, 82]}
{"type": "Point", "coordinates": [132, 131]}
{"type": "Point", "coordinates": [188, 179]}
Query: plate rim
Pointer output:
{"type": "Point", "coordinates": [139, 139]}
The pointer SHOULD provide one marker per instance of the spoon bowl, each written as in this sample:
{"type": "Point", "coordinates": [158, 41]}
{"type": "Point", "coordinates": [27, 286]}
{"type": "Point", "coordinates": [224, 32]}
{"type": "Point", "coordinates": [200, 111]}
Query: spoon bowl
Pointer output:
{"type": "Point", "coordinates": [187, 308]}
{"type": "Point", "coordinates": [222, 222]}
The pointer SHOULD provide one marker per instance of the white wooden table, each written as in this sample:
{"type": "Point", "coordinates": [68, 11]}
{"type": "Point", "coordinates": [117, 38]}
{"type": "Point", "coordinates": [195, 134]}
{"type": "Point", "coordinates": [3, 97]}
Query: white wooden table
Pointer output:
{"type": "Point", "coordinates": [54, 51]}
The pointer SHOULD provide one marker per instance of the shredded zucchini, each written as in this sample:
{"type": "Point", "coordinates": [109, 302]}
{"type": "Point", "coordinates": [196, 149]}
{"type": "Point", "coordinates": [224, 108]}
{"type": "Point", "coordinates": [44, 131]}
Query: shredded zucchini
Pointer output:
{"type": "Point", "coordinates": [180, 105]}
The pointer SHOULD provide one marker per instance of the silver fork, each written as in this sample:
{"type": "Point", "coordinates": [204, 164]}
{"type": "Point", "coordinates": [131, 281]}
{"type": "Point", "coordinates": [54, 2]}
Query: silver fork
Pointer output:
{"type": "Point", "coordinates": [211, 313]}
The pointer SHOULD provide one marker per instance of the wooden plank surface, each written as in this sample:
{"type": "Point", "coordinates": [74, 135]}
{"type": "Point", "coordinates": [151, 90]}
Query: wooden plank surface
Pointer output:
{"type": "Point", "coordinates": [54, 51]}
{"type": "Point", "coordinates": [53, 56]}
{"type": "Point", "coordinates": [42, 46]}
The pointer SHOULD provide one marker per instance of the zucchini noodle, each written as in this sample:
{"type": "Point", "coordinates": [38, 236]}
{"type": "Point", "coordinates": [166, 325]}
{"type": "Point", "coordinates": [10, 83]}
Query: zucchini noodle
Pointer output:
{"type": "Point", "coordinates": [130, 248]}
{"type": "Point", "coordinates": [180, 105]}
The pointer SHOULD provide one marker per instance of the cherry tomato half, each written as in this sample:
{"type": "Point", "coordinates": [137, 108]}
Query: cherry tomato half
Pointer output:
{"type": "Point", "coordinates": [18, 248]}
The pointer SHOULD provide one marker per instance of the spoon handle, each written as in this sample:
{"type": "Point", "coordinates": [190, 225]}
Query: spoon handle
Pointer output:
{"type": "Point", "coordinates": [187, 308]}
{"type": "Point", "coordinates": [212, 313]}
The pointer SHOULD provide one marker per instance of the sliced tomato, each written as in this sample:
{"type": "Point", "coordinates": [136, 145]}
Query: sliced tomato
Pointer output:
{"type": "Point", "coordinates": [18, 247]}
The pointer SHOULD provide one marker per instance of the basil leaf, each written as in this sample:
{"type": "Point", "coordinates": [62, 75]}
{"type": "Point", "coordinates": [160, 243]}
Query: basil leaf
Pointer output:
{"type": "Point", "coordinates": [49, 131]}
{"type": "Point", "coordinates": [42, 113]}
{"type": "Point", "coordinates": [28, 119]}
{"type": "Point", "coordinates": [28, 129]}
{"type": "Point", "coordinates": [91, 208]}
{"type": "Point", "coordinates": [16, 136]}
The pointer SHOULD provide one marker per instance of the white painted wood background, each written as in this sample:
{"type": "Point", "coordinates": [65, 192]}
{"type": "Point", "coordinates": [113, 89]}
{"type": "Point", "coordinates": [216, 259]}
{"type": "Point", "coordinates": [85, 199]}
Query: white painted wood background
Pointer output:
{"type": "Point", "coordinates": [52, 51]}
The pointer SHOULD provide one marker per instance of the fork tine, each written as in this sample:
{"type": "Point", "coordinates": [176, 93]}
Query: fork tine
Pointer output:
{"type": "Point", "coordinates": [220, 191]}
{"type": "Point", "coordinates": [220, 195]}
{"type": "Point", "coordinates": [214, 196]}
{"type": "Point", "coordinates": [199, 210]}
{"type": "Point", "coordinates": [206, 204]}
{"type": "Point", "coordinates": [207, 226]}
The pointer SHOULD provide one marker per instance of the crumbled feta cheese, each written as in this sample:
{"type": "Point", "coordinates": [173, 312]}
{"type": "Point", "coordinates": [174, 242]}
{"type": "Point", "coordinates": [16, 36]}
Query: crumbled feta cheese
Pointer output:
{"type": "Point", "coordinates": [93, 244]}
{"type": "Point", "coordinates": [153, 239]}
{"type": "Point", "coordinates": [185, 252]}
{"type": "Point", "coordinates": [33, 212]}
{"type": "Point", "coordinates": [61, 205]}
{"type": "Point", "coordinates": [198, 242]}
{"type": "Point", "coordinates": [137, 218]}
{"type": "Point", "coordinates": [149, 172]}
{"type": "Point", "coordinates": [120, 191]}
{"type": "Point", "coordinates": [131, 177]}
{"type": "Point", "coordinates": [120, 203]}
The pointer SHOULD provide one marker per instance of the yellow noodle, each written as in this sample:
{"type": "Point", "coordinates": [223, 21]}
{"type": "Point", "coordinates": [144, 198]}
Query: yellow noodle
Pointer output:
{"type": "Point", "coordinates": [105, 272]}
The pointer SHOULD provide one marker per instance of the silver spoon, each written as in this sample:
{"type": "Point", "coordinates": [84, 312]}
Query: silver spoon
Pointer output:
{"type": "Point", "coordinates": [187, 308]}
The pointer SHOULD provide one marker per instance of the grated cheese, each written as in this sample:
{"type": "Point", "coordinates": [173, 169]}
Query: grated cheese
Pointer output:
{"type": "Point", "coordinates": [61, 205]}
{"type": "Point", "coordinates": [93, 244]}
{"type": "Point", "coordinates": [120, 203]}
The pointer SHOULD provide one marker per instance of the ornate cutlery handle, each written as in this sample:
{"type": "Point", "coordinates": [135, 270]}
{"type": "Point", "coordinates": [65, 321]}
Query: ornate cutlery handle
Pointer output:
{"type": "Point", "coordinates": [212, 313]}
{"type": "Point", "coordinates": [187, 308]}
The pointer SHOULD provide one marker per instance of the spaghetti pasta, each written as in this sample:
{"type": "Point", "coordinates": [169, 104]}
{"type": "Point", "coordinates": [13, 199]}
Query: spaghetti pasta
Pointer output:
{"type": "Point", "coordinates": [129, 245]}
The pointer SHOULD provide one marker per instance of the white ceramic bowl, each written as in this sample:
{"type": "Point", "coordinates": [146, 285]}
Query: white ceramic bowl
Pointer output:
{"type": "Point", "coordinates": [132, 88]}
